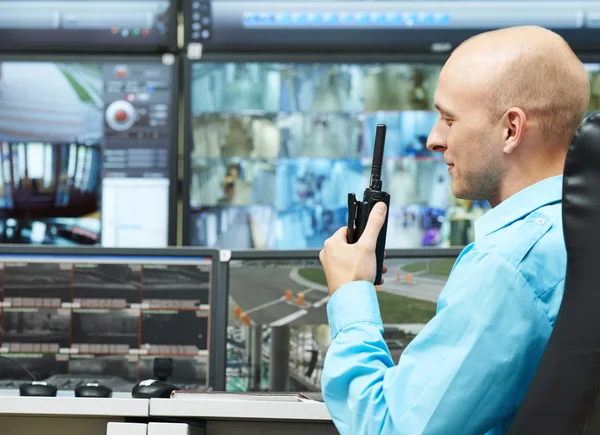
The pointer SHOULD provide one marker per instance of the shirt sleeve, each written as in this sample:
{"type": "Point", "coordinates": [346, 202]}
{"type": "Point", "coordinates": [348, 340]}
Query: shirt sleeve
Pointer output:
{"type": "Point", "coordinates": [465, 372]}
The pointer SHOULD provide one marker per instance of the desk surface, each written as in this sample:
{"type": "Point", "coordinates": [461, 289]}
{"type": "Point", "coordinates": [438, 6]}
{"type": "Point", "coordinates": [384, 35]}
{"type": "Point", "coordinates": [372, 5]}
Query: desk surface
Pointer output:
{"type": "Point", "coordinates": [74, 406]}
{"type": "Point", "coordinates": [218, 409]}
{"type": "Point", "coordinates": [202, 408]}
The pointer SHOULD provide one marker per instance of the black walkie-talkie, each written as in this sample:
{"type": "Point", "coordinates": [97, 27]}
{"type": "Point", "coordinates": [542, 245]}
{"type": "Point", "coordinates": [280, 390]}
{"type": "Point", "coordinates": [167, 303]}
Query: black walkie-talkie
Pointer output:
{"type": "Point", "coordinates": [358, 212]}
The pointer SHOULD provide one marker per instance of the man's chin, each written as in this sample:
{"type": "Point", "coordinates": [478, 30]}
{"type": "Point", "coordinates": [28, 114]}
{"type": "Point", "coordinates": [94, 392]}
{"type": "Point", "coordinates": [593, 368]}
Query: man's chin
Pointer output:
{"type": "Point", "coordinates": [460, 192]}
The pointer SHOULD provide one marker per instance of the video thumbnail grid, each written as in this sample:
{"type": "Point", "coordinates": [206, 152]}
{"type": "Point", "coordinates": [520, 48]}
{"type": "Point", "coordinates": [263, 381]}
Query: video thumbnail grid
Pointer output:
{"type": "Point", "coordinates": [105, 319]}
{"type": "Point", "coordinates": [276, 148]}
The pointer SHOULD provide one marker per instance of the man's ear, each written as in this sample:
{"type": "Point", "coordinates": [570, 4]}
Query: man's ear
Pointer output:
{"type": "Point", "coordinates": [513, 128]}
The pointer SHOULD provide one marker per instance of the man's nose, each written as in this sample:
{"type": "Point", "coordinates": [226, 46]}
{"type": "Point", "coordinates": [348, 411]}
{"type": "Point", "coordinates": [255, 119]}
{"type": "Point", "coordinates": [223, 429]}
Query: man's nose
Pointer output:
{"type": "Point", "coordinates": [436, 141]}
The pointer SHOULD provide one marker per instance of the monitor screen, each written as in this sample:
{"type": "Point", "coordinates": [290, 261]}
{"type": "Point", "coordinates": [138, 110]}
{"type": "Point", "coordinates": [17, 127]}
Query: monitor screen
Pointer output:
{"type": "Point", "coordinates": [382, 26]}
{"type": "Point", "coordinates": [106, 315]}
{"type": "Point", "coordinates": [86, 151]}
{"type": "Point", "coordinates": [291, 292]}
{"type": "Point", "coordinates": [275, 148]}
{"type": "Point", "coordinates": [88, 25]}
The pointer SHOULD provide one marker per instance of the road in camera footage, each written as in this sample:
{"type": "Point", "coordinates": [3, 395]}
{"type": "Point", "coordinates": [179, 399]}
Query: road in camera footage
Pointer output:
{"type": "Point", "coordinates": [49, 101]}
{"type": "Point", "coordinates": [408, 295]}
{"type": "Point", "coordinates": [294, 293]}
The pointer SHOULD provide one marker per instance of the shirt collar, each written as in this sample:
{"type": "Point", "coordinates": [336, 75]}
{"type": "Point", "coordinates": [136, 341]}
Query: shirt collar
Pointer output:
{"type": "Point", "coordinates": [520, 204]}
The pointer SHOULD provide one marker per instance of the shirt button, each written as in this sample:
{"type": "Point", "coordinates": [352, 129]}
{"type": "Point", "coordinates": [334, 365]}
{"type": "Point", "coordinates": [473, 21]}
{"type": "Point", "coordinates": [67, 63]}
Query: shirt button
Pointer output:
{"type": "Point", "coordinates": [540, 221]}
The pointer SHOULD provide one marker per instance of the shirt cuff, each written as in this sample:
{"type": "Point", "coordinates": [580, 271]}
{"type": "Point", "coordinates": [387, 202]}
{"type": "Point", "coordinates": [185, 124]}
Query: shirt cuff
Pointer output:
{"type": "Point", "coordinates": [353, 303]}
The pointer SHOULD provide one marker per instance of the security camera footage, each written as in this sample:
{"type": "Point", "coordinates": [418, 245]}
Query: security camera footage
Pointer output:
{"type": "Point", "coordinates": [292, 293]}
{"type": "Point", "coordinates": [78, 25]}
{"type": "Point", "coordinates": [79, 142]}
{"type": "Point", "coordinates": [186, 371]}
{"type": "Point", "coordinates": [276, 148]}
{"type": "Point", "coordinates": [113, 316]}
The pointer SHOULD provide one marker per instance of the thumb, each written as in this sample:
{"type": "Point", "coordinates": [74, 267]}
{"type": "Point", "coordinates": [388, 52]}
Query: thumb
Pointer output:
{"type": "Point", "coordinates": [374, 225]}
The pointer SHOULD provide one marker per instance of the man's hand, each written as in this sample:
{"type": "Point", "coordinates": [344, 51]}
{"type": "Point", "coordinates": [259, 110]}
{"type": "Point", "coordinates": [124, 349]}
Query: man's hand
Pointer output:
{"type": "Point", "coordinates": [343, 262]}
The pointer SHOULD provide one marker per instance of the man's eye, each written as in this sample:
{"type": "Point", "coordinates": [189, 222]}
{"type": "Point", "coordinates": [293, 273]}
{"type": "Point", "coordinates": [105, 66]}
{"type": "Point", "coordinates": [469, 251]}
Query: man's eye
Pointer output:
{"type": "Point", "coordinates": [447, 121]}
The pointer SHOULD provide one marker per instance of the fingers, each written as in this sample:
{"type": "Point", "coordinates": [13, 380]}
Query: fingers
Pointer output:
{"type": "Point", "coordinates": [374, 225]}
{"type": "Point", "coordinates": [384, 269]}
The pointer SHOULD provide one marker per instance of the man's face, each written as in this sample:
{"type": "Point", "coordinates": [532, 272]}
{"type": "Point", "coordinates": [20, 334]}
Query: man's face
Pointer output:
{"type": "Point", "coordinates": [470, 143]}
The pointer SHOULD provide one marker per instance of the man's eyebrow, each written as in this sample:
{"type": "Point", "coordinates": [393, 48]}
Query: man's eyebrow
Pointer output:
{"type": "Point", "coordinates": [443, 111]}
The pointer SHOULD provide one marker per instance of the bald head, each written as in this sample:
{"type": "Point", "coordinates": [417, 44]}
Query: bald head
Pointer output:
{"type": "Point", "coordinates": [527, 67]}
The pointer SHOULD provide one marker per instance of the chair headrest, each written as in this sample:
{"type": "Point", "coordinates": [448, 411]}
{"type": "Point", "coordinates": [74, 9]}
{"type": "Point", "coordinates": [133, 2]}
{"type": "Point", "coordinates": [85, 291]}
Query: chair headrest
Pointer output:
{"type": "Point", "coordinates": [581, 187]}
{"type": "Point", "coordinates": [561, 397]}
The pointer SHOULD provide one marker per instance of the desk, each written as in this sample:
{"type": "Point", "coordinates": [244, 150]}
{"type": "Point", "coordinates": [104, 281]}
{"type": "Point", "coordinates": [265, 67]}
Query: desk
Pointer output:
{"type": "Point", "coordinates": [90, 416]}
{"type": "Point", "coordinates": [66, 415]}
{"type": "Point", "coordinates": [248, 417]}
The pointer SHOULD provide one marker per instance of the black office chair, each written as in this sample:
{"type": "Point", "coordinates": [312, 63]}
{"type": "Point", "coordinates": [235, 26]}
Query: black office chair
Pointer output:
{"type": "Point", "coordinates": [563, 396]}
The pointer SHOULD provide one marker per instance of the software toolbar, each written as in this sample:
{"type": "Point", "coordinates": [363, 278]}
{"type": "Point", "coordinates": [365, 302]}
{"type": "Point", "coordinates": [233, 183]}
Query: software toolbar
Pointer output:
{"type": "Point", "coordinates": [67, 25]}
{"type": "Point", "coordinates": [219, 23]}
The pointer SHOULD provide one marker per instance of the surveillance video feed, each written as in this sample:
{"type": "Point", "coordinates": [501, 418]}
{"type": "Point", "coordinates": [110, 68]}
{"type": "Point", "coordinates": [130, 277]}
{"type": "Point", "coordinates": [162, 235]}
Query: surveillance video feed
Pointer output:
{"type": "Point", "coordinates": [459, 226]}
{"type": "Point", "coordinates": [112, 311]}
{"type": "Point", "coordinates": [185, 372]}
{"type": "Point", "coordinates": [406, 133]}
{"type": "Point", "coordinates": [326, 116]}
{"type": "Point", "coordinates": [50, 140]}
{"type": "Point", "coordinates": [312, 199]}
{"type": "Point", "coordinates": [292, 294]}
{"type": "Point", "coordinates": [121, 366]}
{"type": "Point", "coordinates": [59, 231]}
{"type": "Point", "coordinates": [249, 227]}
{"type": "Point", "coordinates": [176, 287]}
{"type": "Point", "coordinates": [232, 182]}
{"type": "Point", "coordinates": [41, 366]}
{"type": "Point", "coordinates": [321, 88]}
{"type": "Point", "coordinates": [36, 285]}
{"type": "Point", "coordinates": [329, 136]}
{"type": "Point", "coordinates": [243, 136]}
{"type": "Point", "coordinates": [105, 331]}
{"type": "Point", "coordinates": [65, 129]}
{"type": "Point", "coordinates": [158, 327]}
{"type": "Point", "coordinates": [400, 87]}
{"type": "Point", "coordinates": [101, 286]}
{"type": "Point", "coordinates": [235, 88]}
{"type": "Point", "coordinates": [593, 71]}
{"type": "Point", "coordinates": [40, 330]}
{"type": "Point", "coordinates": [420, 189]}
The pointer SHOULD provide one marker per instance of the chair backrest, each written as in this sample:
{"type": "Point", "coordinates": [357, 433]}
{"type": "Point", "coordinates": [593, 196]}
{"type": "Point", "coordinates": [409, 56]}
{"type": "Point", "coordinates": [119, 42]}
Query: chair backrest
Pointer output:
{"type": "Point", "coordinates": [562, 398]}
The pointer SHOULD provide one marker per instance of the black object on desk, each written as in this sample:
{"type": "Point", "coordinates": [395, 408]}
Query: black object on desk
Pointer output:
{"type": "Point", "coordinates": [93, 389]}
{"type": "Point", "coordinates": [37, 389]}
{"type": "Point", "coordinates": [153, 389]}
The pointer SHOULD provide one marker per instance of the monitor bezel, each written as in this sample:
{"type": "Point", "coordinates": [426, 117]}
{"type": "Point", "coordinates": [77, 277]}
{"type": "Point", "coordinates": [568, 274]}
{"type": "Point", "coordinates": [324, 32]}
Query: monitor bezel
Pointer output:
{"type": "Point", "coordinates": [313, 254]}
{"type": "Point", "coordinates": [264, 58]}
{"type": "Point", "coordinates": [173, 162]}
{"type": "Point", "coordinates": [171, 45]}
{"type": "Point", "coordinates": [217, 357]}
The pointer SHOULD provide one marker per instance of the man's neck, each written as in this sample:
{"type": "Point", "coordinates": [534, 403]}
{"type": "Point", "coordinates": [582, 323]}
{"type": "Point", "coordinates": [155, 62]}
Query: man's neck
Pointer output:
{"type": "Point", "coordinates": [513, 185]}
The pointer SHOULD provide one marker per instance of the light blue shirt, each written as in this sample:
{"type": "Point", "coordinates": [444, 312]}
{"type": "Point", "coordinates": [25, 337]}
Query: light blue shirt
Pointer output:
{"type": "Point", "coordinates": [467, 371]}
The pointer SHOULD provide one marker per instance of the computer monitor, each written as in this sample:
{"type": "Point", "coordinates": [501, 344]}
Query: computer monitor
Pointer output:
{"type": "Point", "coordinates": [109, 26]}
{"type": "Point", "coordinates": [88, 150]}
{"type": "Point", "coordinates": [274, 145]}
{"type": "Point", "coordinates": [101, 311]}
{"type": "Point", "coordinates": [274, 296]}
{"type": "Point", "coordinates": [383, 26]}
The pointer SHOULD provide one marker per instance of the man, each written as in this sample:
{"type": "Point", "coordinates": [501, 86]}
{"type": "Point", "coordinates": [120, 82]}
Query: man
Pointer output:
{"type": "Point", "coordinates": [509, 102]}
